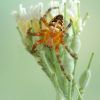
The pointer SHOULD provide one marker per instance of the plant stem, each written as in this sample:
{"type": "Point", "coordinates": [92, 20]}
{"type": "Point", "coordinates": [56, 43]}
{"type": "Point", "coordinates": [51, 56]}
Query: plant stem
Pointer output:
{"type": "Point", "coordinates": [73, 81]}
{"type": "Point", "coordinates": [80, 96]}
{"type": "Point", "coordinates": [89, 64]}
{"type": "Point", "coordinates": [60, 97]}
{"type": "Point", "coordinates": [69, 90]}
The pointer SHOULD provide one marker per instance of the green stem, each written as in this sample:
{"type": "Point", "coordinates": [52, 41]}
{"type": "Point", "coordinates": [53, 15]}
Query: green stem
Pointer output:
{"type": "Point", "coordinates": [80, 96]}
{"type": "Point", "coordinates": [65, 6]}
{"type": "Point", "coordinates": [85, 18]}
{"type": "Point", "coordinates": [60, 97]}
{"type": "Point", "coordinates": [89, 64]}
{"type": "Point", "coordinates": [69, 90]}
{"type": "Point", "coordinates": [75, 62]}
{"type": "Point", "coordinates": [81, 90]}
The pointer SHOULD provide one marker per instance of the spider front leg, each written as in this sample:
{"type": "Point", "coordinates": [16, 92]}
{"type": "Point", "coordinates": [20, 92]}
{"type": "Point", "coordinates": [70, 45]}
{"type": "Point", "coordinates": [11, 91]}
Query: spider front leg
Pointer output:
{"type": "Point", "coordinates": [43, 19]}
{"type": "Point", "coordinates": [49, 10]}
{"type": "Point", "coordinates": [41, 33]}
{"type": "Point", "coordinates": [29, 32]}
{"type": "Point", "coordinates": [36, 44]}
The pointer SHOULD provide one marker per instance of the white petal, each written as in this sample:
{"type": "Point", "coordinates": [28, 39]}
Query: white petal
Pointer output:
{"type": "Point", "coordinates": [22, 10]}
{"type": "Point", "coordinates": [37, 11]}
{"type": "Point", "coordinates": [15, 14]}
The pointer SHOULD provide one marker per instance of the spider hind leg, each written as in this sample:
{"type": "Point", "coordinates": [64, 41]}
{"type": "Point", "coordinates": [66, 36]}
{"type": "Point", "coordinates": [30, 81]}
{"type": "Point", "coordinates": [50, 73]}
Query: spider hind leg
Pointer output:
{"type": "Point", "coordinates": [71, 52]}
{"type": "Point", "coordinates": [61, 66]}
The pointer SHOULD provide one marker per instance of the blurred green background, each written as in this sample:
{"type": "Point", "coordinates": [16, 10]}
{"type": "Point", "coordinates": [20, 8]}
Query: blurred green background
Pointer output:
{"type": "Point", "coordinates": [20, 76]}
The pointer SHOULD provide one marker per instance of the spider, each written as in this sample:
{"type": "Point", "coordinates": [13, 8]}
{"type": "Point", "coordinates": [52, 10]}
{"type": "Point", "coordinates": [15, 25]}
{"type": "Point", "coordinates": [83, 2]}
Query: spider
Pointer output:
{"type": "Point", "coordinates": [53, 35]}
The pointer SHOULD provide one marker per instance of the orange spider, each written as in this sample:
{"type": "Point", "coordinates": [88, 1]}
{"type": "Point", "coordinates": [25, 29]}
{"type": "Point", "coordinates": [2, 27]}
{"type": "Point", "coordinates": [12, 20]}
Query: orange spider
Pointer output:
{"type": "Point", "coordinates": [54, 34]}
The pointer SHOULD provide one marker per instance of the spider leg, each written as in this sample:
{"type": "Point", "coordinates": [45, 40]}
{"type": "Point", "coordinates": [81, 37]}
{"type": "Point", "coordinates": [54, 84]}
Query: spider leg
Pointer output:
{"type": "Point", "coordinates": [60, 63]}
{"type": "Point", "coordinates": [43, 19]}
{"type": "Point", "coordinates": [36, 44]}
{"type": "Point", "coordinates": [68, 26]}
{"type": "Point", "coordinates": [29, 32]}
{"type": "Point", "coordinates": [49, 10]}
{"type": "Point", "coordinates": [70, 51]}
{"type": "Point", "coordinates": [42, 33]}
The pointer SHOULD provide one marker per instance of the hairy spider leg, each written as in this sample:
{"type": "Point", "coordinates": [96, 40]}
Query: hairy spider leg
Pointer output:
{"type": "Point", "coordinates": [41, 33]}
{"type": "Point", "coordinates": [58, 40]}
{"type": "Point", "coordinates": [43, 19]}
{"type": "Point", "coordinates": [29, 32]}
{"type": "Point", "coordinates": [61, 65]}
{"type": "Point", "coordinates": [68, 26]}
{"type": "Point", "coordinates": [69, 50]}
{"type": "Point", "coordinates": [49, 10]}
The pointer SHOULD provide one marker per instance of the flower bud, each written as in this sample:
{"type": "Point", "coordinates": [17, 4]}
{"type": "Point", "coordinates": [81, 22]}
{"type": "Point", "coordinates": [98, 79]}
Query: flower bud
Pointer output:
{"type": "Point", "coordinates": [76, 44]}
{"type": "Point", "coordinates": [84, 79]}
{"type": "Point", "coordinates": [68, 63]}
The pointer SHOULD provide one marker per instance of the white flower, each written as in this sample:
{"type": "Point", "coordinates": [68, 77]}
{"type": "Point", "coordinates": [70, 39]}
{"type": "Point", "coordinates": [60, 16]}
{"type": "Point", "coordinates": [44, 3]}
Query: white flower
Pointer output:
{"type": "Point", "coordinates": [73, 8]}
{"type": "Point", "coordinates": [22, 10]}
{"type": "Point", "coordinates": [37, 11]}
{"type": "Point", "coordinates": [21, 14]}
{"type": "Point", "coordinates": [15, 14]}
{"type": "Point", "coordinates": [29, 13]}
{"type": "Point", "coordinates": [25, 15]}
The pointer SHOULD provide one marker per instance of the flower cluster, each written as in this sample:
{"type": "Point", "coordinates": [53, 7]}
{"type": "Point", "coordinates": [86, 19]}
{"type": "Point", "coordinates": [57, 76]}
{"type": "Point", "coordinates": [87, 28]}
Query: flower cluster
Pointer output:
{"type": "Point", "coordinates": [60, 68]}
